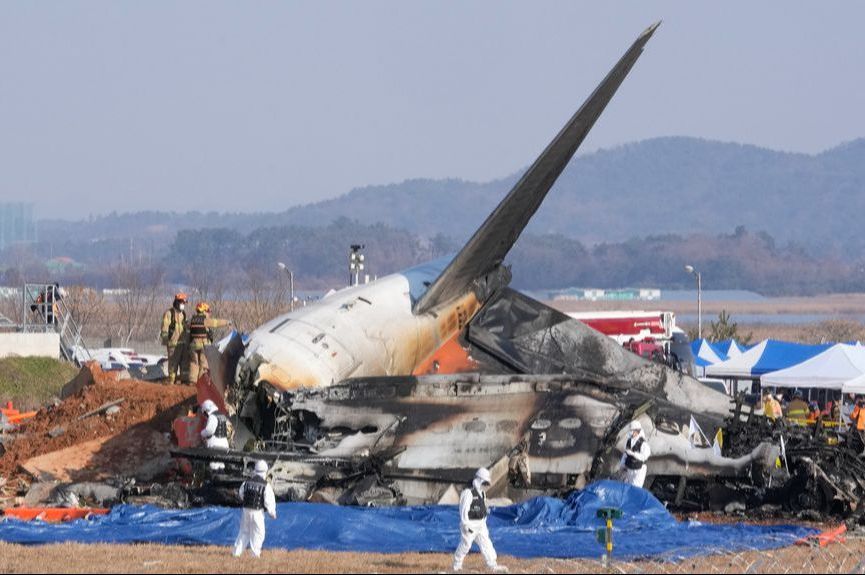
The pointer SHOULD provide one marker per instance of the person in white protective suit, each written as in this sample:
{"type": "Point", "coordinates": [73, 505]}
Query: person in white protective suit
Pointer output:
{"type": "Point", "coordinates": [473, 523]}
{"type": "Point", "coordinates": [257, 497]}
{"type": "Point", "coordinates": [215, 432]}
{"type": "Point", "coordinates": [636, 455]}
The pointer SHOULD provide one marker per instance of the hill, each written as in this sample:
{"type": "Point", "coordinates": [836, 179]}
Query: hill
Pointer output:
{"type": "Point", "coordinates": [664, 185]}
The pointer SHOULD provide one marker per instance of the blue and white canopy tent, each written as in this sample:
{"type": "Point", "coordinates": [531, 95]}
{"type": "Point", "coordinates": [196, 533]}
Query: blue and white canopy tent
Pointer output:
{"type": "Point", "coordinates": [841, 368]}
{"type": "Point", "coordinates": [730, 348]}
{"type": "Point", "coordinates": [765, 357]}
{"type": "Point", "coordinates": [705, 354]}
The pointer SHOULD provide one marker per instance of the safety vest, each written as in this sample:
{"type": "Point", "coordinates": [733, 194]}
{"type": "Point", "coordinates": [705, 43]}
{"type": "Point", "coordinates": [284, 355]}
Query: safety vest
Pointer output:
{"type": "Point", "coordinates": [253, 493]}
{"type": "Point", "coordinates": [632, 462]}
{"type": "Point", "coordinates": [858, 417]}
{"type": "Point", "coordinates": [797, 409]}
{"type": "Point", "coordinates": [775, 407]}
{"type": "Point", "coordinates": [221, 427]}
{"type": "Point", "coordinates": [478, 509]}
{"type": "Point", "coordinates": [198, 327]}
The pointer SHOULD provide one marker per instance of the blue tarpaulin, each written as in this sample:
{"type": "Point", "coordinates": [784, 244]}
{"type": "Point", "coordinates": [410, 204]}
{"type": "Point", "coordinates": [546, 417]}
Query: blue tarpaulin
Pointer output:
{"type": "Point", "coordinates": [540, 527]}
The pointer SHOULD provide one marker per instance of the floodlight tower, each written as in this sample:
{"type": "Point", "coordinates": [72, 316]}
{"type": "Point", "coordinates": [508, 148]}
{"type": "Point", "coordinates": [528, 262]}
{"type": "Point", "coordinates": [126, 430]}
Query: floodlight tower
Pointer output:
{"type": "Point", "coordinates": [691, 270]}
{"type": "Point", "coordinates": [355, 264]}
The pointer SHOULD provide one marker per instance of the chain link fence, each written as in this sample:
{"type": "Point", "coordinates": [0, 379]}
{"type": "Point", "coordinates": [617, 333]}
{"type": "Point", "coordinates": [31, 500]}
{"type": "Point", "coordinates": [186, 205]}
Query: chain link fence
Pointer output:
{"type": "Point", "coordinates": [847, 555]}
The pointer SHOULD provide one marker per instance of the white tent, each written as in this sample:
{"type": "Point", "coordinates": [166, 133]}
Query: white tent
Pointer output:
{"type": "Point", "coordinates": [838, 368]}
{"type": "Point", "coordinates": [765, 357]}
{"type": "Point", "coordinates": [855, 385]}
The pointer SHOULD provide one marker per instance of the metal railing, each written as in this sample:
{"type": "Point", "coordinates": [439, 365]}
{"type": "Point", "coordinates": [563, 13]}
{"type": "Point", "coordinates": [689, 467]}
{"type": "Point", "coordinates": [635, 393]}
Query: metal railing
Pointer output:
{"type": "Point", "coordinates": [44, 311]}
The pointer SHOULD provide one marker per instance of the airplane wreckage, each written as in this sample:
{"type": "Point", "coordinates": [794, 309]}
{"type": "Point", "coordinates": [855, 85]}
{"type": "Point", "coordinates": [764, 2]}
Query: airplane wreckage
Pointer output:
{"type": "Point", "coordinates": [396, 391]}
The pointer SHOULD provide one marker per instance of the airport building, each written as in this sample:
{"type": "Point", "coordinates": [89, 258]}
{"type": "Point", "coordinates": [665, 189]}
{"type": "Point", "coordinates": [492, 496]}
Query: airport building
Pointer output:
{"type": "Point", "coordinates": [17, 224]}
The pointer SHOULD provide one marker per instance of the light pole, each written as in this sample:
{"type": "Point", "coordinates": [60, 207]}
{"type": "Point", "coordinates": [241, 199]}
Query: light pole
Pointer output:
{"type": "Point", "coordinates": [290, 273]}
{"type": "Point", "coordinates": [691, 270]}
{"type": "Point", "coordinates": [355, 264]}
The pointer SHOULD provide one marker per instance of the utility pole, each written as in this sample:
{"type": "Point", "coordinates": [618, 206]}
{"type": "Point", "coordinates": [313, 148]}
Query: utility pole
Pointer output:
{"type": "Point", "coordinates": [693, 271]}
{"type": "Point", "coordinates": [290, 273]}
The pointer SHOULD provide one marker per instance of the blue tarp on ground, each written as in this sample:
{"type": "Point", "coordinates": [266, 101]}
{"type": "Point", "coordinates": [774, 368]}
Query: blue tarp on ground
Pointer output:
{"type": "Point", "coordinates": [541, 527]}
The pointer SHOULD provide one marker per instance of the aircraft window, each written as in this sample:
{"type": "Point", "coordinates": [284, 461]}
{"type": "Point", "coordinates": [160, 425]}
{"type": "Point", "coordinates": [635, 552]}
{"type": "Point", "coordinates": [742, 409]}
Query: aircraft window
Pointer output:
{"type": "Point", "coordinates": [570, 423]}
{"type": "Point", "coordinates": [318, 338]}
{"type": "Point", "coordinates": [364, 300]}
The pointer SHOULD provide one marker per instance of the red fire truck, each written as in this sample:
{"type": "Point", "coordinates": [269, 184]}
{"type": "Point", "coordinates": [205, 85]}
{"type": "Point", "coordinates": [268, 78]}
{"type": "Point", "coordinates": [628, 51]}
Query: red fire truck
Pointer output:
{"type": "Point", "coordinates": [649, 334]}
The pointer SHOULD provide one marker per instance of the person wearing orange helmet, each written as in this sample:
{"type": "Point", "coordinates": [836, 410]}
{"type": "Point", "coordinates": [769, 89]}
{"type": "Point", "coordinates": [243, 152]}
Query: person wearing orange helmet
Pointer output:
{"type": "Point", "coordinates": [173, 336]}
{"type": "Point", "coordinates": [201, 327]}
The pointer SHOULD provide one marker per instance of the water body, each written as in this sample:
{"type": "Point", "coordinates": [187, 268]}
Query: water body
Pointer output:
{"type": "Point", "coordinates": [711, 295]}
{"type": "Point", "coordinates": [771, 318]}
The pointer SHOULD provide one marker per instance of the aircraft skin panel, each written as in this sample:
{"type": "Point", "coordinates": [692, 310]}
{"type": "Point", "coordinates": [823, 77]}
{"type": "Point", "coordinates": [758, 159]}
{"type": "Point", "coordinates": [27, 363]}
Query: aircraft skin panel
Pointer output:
{"type": "Point", "coordinates": [445, 425]}
{"type": "Point", "coordinates": [362, 331]}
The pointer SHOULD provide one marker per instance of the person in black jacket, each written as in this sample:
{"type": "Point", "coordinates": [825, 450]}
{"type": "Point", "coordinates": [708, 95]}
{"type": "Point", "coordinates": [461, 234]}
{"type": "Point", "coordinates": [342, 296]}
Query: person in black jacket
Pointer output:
{"type": "Point", "coordinates": [636, 455]}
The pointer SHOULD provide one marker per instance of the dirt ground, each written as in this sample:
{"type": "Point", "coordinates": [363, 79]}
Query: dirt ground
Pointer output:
{"type": "Point", "coordinates": [151, 405]}
{"type": "Point", "coordinates": [73, 558]}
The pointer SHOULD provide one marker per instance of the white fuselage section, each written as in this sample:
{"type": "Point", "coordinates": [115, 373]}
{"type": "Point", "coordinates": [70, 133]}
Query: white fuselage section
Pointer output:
{"type": "Point", "coordinates": [361, 331]}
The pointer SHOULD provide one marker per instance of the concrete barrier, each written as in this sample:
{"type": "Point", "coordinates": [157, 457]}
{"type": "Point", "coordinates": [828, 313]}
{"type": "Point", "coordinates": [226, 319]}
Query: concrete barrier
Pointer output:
{"type": "Point", "coordinates": [30, 345]}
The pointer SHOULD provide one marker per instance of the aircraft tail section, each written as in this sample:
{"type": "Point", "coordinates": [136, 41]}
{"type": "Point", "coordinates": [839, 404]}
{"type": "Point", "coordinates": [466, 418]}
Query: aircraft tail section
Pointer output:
{"type": "Point", "coordinates": [487, 248]}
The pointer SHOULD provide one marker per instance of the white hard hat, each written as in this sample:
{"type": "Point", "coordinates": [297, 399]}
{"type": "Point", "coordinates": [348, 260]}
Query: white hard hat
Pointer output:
{"type": "Point", "coordinates": [261, 466]}
{"type": "Point", "coordinates": [484, 475]}
{"type": "Point", "coordinates": [635, 426]}
{"type": "Point", "coordinates": [208, 406]}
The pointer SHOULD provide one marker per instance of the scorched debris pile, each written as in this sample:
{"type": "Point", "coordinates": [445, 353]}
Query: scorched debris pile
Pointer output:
{"type": "Point", "coordinates": [62, 426]}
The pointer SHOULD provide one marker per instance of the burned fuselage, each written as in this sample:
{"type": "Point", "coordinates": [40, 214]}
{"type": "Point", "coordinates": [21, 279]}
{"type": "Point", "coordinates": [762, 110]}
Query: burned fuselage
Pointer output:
{"type": "Point", "coordinates": [398, 390]}
{"type": "Point", "coordinates": [363, 374]}
{"type": "Point", "coordinates": [546, 408]}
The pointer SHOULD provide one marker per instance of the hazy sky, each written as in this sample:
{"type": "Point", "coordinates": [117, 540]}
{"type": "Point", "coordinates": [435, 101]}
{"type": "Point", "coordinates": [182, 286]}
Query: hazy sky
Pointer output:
{"type": "Point", "coordinates": [258, 106]}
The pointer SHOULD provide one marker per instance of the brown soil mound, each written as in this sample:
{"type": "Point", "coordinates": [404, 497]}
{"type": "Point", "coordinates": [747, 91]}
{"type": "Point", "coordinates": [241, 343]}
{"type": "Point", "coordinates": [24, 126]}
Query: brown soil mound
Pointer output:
{"type": "Point", "coordinates": [144, 402]}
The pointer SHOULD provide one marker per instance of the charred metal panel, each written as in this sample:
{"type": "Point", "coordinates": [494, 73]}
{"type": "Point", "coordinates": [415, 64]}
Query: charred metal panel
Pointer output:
{"type": "Point", "coordinates": [530, 337]}
{"type": "Point", "coordinates": [447, 426]}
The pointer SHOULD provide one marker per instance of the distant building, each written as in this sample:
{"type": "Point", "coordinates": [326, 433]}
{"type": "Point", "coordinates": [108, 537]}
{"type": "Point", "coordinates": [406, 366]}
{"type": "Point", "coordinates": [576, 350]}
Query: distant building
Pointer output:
{"type": "Point", "coordinates": [17, 224]}
{"type": "Point", "coordinates": [625, 294]}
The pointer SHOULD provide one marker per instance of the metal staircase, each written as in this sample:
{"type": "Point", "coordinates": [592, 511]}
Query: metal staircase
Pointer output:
{"type": "Point", "coordinates": [45, 311]}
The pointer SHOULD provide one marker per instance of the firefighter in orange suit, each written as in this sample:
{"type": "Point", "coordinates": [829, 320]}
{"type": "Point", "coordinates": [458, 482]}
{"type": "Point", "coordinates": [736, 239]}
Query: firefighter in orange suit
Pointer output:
{"type": "Point", "coordinates": [173, 337]}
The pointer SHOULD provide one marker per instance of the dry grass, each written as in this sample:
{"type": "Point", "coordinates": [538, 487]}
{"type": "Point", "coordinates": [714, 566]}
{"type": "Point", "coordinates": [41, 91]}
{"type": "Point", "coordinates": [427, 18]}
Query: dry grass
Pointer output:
{"type": "Point", "coordinates": [31, 381]}
{"type": "Point", "coordinates": [845, 557]}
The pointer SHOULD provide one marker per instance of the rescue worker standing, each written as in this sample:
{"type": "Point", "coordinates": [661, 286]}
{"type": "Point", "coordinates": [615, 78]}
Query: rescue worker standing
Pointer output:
{"type": "Point", "coordinates": [857, 422]}
{"type": "Point", "coordinates": [473, 523]}
{"type": "Point", "coordinates": [797, 410]}
{"type": "Point", "coordinates": [215, 432]}
{"type": "Point", "coordinates": [814, 413]}
{"type": "Point", "coordinates": [173, 337]}
{"type": "Point", "coordinates": [201, 327]}
{"type": "Point", "coordinates": [771, 406]}
{"type": "Point", "coordinates": [257, 497]}
{"type": "Point", "coordinates": [637, 453]}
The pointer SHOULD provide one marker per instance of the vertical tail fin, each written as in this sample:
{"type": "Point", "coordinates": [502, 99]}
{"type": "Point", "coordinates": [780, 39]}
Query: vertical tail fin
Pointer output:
{"type": "Point", "coordinates": [493, 240]}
